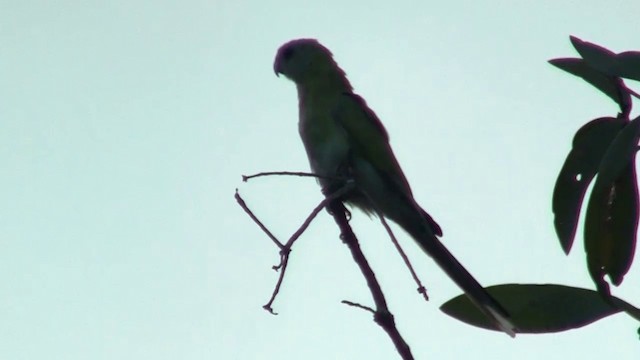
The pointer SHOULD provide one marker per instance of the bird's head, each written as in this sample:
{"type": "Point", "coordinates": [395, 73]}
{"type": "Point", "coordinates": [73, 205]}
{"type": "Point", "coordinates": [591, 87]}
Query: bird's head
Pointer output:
{"type": "Point", "coordinates": [303, 59]}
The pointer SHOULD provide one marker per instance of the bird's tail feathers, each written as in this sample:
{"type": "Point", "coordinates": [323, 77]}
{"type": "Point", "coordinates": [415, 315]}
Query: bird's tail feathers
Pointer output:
{"type": "Point", "coordinates": [472, 288]}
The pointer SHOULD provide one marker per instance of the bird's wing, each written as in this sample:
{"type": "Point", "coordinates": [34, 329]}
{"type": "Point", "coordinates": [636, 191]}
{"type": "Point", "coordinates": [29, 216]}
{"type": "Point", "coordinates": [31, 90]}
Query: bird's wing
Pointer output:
{"type": "Point", "coordinates": [369, 140]}
{"type": "Point", "coordinates": [369, 144]}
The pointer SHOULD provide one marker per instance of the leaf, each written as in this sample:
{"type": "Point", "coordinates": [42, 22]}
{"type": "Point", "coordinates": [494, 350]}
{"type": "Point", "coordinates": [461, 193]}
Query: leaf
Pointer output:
{"type": "Point", "coordinates": [611, 228]}
{"type": "Point", "coordinates": [629, 65]}
{"type": "Point", "coordinates": [612, 87]}
{"type": "Point", "coordinates": [589, 146]}
{"type": "Point", "coordinates": [621, 151]}
{"type": "Point", "coordinates": [537, 308]}
{"type": "Point", "coordinates": [612, 213]}
{"type": "Point", "coordinates": [596, 56]}
{"type": "Point", "coordinates": [624, 214]}
{"type": "Point", "coordinates": [625, 64]}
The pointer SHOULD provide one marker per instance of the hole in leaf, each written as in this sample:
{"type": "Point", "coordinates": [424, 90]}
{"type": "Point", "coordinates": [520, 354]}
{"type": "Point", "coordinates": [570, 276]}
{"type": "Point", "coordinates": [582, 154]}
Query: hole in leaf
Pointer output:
{"type": "Point", "coordinates": [578, 177]}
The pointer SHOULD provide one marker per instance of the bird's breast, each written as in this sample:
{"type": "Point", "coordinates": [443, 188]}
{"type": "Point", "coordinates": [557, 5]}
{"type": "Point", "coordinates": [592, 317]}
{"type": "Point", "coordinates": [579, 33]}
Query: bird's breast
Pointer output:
{"type": "Point", "coordinates": [325, 142]}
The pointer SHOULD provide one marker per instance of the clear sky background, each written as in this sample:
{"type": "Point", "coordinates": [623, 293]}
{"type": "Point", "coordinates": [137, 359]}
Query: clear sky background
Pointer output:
{"type": "Point", "coordinates": [125, 127]}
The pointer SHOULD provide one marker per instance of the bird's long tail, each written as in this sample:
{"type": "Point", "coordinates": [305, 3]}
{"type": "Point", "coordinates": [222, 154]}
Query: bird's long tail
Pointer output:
{"type": "Point", "coordinates": [404, 211]}
{"type": "Point", "coordinates": [476, 293]}
{"type": "Point", "coordinates": [423, 229]}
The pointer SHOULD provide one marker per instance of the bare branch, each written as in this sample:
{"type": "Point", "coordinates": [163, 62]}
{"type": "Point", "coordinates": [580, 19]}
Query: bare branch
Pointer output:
{"type": "Point", "coordinates": [382, 315]}
{"type": "Point", "coordinates": [421, 289]}
{"type": "Point", "coordinates": [284, 260]}
{"type": "Point", "coordinates": [246, 178]}
{"type": "Point", "coordinates": [363, 307]}
{"type": "Point", "coordinates": [246, 209]}
{"type": "Point", "coordinates": [285, 249]}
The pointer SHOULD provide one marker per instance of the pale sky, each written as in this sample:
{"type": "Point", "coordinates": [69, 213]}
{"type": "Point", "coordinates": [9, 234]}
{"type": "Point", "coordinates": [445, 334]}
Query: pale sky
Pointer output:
{"type": "Point", "coordinates": [125, 127]}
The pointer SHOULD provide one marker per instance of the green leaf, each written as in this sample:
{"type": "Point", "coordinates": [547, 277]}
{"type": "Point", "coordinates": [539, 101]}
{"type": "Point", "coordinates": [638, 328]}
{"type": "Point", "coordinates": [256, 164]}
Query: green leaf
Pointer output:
{"type": "Point", "coordinates": [629, 65]}
{"type": "Point", "coordinates": [611, 86]}
{"type": "Point", "coordinates": [624, 215]}
{"type": "Point", "coordinates": [622, 150]}
{"type": "Point", "coordinates": [589, 146]}
{"type": "Point", "coordinates": [596, 56]}
{"type": "Point", "coordinates": [625, 64]}
{"type": "Point", "coordinates": [612, 213]}
{"type": "Point", "coordinates": [537, 308]}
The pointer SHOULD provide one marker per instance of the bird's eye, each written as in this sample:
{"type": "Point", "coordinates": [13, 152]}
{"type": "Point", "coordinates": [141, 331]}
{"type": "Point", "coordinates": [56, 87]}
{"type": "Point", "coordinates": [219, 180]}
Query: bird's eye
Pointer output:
{"type": "Point", "coordinates": [288, 53]}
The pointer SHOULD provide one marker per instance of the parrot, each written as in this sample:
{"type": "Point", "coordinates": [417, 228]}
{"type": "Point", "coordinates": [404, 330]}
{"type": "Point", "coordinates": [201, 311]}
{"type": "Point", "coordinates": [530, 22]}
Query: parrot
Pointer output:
{"type": "Point", "coordinates": [345, 141]}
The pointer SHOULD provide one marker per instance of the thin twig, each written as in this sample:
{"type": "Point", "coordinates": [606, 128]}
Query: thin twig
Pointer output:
{"type": "Point", "coordinates": [284, 252]}
{"type": "Point", "coordinates": [246, 178]}
{"type": "Point", "coordinates": [382, 315]}
{"type": "Point", "coordinates": [363, 307]}
{"type": "Point", "coordinates": [284, 260]}
{"type": "Point", "coordinates": [315, 212]}
{"type": "Point", "coordinates": [285, 249]}
{"type": "Point", "coordinates": [243, 205]}
{"type": "Point", "coordinates": [421, 289]}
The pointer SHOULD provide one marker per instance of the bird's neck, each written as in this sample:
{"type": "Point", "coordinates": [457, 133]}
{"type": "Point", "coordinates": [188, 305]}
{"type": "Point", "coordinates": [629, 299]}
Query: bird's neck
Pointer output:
{"type": "Point", "coordinates": [323, 87]}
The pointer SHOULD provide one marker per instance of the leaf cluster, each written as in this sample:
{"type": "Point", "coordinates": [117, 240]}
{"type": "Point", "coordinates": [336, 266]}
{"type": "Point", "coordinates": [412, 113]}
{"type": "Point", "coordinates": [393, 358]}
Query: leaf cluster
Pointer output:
{"type": "Point", "coordinates": [605, 149]}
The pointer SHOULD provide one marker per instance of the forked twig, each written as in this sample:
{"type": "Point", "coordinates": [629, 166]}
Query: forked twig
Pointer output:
{"type": "Point", "coordinates": [382, 315]}
{"type": "Point", "coordinates": [285, 249]}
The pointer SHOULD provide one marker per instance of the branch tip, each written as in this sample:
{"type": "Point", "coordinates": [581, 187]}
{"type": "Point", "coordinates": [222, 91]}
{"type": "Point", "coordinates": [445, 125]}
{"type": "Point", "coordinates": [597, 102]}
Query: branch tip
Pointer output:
{"type": "Point", "coordinates": [423, 290]}
{"type": "Point", "coordinates": [360, 306]}
{"type": "Point", "coordinates": [269, 309]}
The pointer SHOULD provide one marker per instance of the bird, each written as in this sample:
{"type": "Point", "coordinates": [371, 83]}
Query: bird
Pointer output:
{"type": "Point", "coordinates": [346, 142]}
